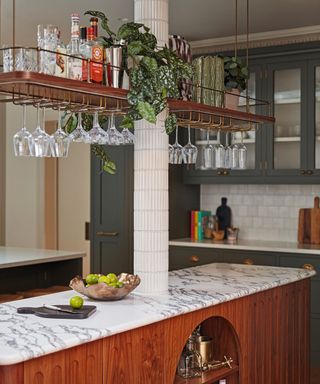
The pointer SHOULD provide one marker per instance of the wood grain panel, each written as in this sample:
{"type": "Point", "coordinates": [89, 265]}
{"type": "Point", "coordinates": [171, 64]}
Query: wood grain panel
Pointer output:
{"type": "Point", "coordinates": [267, 334]}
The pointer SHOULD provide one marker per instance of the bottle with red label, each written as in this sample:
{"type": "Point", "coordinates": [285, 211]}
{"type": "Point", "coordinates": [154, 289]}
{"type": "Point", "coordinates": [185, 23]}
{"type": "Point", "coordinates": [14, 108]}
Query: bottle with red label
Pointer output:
{"type": "Point", "coordinates": [94, 52]}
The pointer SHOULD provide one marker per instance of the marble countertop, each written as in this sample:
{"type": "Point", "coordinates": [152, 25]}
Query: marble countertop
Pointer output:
{"type": "Point", "coordinates": [251, 245]}
{"type": "Point", "coordinates": [23, 337]}
{"type": "Point", "coordinates": [15, 257]}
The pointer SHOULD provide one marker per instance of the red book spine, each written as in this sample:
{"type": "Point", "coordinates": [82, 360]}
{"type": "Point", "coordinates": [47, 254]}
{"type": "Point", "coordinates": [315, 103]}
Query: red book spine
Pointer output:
{"type": "Point", "coordinates": [192, 225]}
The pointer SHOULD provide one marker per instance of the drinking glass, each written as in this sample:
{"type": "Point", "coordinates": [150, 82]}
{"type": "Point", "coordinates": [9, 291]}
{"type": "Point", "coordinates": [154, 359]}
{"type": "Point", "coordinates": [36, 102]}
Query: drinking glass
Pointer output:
{"type": "Point", "coordinates": [47, 39]}
{"type": "Point", "coordinates": [22, 140]}
{"type": "Point", "coordinates": [242, 153]}
{"type": "Point", "coordinates": [7, 59]}
{"type": "Point", "coordinates": [208, 154]}
{"type": "Point", "coordinates": [234, 158]}
{"type": "Point", "coordinates": [25, 60]}
{"type": "Point", "coordinates": [79, 135]}
{"type": "Point", "coordinates": [114, 136]}
{"type": "Point", "coordinates": [175, 156]}
{"type": "Point", "coordinates": [219, 153]}
{"type": "Point", "coordinates": [60, 141]}
{"type": "Point", "coordinates": [189, 151]}
{"type": "Point", "coordinates": [40, 139]}
{"type": "Point", "coordinates": [97, 135]}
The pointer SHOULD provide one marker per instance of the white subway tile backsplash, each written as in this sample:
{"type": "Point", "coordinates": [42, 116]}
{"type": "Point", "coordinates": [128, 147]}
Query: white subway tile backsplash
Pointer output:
{"type": "Point", "coordinates": [262, 212]}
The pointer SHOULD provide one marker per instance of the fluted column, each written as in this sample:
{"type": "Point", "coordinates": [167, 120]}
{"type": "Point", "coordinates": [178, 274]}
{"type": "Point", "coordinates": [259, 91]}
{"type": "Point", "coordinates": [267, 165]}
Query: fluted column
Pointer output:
{"type": "Point", "coordinates": [151, 216]}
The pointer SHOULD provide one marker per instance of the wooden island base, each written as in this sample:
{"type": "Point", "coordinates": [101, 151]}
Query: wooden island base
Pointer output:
{"type": "Point", "coordinates": [266, 334]}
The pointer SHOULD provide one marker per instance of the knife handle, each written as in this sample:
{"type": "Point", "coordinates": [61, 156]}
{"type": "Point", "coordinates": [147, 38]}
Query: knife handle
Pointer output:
{"type": "Point", "coordinates": [26, 310]}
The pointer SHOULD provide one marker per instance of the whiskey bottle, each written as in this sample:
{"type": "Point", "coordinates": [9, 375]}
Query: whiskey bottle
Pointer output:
{"type": "Point", "coordinates": [95, 52]}
{"type": "Point", "coordinates": [61, 59]}
{"type": "Point", "coordinates": [75, 65]}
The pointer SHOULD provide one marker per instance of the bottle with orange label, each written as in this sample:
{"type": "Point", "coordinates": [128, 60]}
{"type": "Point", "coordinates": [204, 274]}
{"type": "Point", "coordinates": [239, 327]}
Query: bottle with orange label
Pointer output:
{"type": "Point", "coordinates": [94, 52]}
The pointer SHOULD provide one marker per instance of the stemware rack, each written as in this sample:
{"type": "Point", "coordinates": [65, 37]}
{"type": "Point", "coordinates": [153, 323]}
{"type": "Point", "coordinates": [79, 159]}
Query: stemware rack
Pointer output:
{"type": "Point", "coordinates": [34, 88]}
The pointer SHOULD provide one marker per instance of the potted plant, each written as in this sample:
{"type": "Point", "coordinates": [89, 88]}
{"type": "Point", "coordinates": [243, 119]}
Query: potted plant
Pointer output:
{"type": "Point", "coordinates": [235, 80]}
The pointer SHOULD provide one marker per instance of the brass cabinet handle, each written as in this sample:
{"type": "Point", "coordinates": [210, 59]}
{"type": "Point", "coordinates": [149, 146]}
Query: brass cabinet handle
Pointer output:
{"type": "Point", "coordinates": [303, 172]}
{"type": "Point", "coordinates": [220, 173]}
{"type": "Point", "coordinates": [248, 261]}
{"type": "Point", "coordinates": [309, 267]}
{"type": "Point", "coordinates": [309, 172]}
{"type": "Point", "coordinates": [111, 234]}
{"type": "Point", "coordinates": [226, 173]}
{"type": "Point", "coordinates": [194, 258]}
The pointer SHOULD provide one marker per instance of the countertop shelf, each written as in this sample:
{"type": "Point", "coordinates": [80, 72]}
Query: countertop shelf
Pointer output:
{"type": "Point", "coordinates": [54, 91]}
{"type": "Point", "coordinates": [208, 377]}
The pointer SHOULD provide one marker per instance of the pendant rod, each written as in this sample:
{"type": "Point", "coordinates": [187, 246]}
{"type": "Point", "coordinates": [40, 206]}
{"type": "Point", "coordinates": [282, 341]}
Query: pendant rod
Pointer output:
{"type": "Point", "coordinates": [13, 23]}
{"type": "Point", "coordinates": [236, 29]}
{"type": "Point", "coordinates": [247, 56]}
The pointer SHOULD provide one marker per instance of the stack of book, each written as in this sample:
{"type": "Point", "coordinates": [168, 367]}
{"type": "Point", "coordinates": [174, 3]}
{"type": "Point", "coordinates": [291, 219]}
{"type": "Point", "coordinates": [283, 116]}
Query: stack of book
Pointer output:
{"type": "Point", "coordinates": [199, 221]}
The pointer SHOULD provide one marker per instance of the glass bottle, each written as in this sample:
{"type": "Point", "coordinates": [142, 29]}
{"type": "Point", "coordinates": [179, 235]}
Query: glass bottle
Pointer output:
{"type": "Point", "coordinates": [85, 52]}
{"type": "Point", "coordinates": [94, 25]}
{"type": "Point", "coordinates": [190, 361]}
{"type": "Point", "coordinates": [95, 52]}
{"type": "Point", "coordinates": [75, 65]}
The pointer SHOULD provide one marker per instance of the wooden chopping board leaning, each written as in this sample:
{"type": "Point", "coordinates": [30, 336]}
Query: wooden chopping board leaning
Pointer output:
{"type": "Point", "coordinates": [309, 224]}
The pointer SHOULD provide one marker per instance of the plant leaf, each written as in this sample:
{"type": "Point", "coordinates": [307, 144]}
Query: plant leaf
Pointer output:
{"type": "Point", "coordinates": [110, 167]}
{"type": "Point", "coordinates": [127, 122]}
{"type": "Point", "coordinates": [170, 123]}
{"type": "Point", "coordinates": [147, 112]}
{"type": "Point", "coordinates": [150, 63]}
{"type": "Point", "coordinates": [134, 48]}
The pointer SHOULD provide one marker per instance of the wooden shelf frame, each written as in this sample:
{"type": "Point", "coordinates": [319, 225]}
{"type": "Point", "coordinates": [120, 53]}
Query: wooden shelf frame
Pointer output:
{"type": "Point", "coordinates": [209, 377]}
{"type": "Point", "coordinates": [74, 95]}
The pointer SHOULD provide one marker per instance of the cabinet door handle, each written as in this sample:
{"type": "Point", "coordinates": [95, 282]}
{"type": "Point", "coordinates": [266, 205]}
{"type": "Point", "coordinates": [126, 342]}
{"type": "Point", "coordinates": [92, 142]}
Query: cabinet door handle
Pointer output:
{"type": "Point", "coordinates": [110, 234]}
{"type": "Point", "coordinates": [309, 172]}
{"type": "Point", "coordinates": [194, 258]}
{"type": "Point", "coordinates": [226, 173]}
{"type": "Point", "coordinates": [248, 261]}
{"type": "Point", "coordinates": [302, 172]}
{"type": "Point", "coordinates": [220, 173]}
{"type": "Point", "coordinates": [308, 267]}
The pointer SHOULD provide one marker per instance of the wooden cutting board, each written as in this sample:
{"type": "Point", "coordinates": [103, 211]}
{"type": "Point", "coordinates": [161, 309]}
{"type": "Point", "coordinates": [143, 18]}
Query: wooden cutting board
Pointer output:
{"type": "Point", "coordinates": [309, 224]}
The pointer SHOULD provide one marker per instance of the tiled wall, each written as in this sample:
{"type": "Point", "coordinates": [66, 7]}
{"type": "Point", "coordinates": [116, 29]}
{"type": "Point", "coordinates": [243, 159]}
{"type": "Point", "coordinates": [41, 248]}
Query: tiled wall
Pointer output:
{"type": "Point", "coordinates": [262, 212]}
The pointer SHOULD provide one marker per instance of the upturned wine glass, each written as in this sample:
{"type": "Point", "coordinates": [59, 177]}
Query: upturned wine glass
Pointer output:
{"type": "Point", "coordinates": [175, 154]}
{"type": "Point", "coordinates": [79, 134]}
{"type": "Point", "coordinates": [219, 153]}
{"type": "Point", "coordinates": [208, 154]}
{"type": "Point", "coordinates": [128, 136]}
{"type": "Point", "coordinates": [242, 149]}
{"type": "Point", "coordinates": [114, 136]}
{"type": "Point", "coordinates": [60, 141]}
{"type": "Point", "coordinates": [234, 155]}
{"type": "Point", "coordinates": [189, 151]}
{"type": "Point", "coordinates": [22, 140]}
{"type": "Point", "coordinates": [40, 139]}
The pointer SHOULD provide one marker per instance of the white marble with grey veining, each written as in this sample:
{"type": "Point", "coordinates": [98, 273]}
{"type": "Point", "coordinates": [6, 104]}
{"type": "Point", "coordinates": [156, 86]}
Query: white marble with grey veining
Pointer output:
{"type": "Point", "coordinates": [23, 337]}
{"type": "Point", "coordinates": [250, 245]}
{"type": "Point", "coordinates": [15, 256]}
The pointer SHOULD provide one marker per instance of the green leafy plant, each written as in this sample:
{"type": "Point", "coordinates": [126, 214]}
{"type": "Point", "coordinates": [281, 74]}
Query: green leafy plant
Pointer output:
{"type": "Point", "coordinates": [154, 73]}
{"type": "Point", "coordinates": [235, 73]}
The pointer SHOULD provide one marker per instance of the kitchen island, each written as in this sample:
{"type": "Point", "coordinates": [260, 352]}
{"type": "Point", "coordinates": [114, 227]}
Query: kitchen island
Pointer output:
{"type": "Point", "coordinates": [258, 315]}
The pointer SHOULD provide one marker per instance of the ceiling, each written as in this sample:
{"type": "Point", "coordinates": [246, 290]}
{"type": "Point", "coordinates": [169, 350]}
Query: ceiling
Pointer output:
{"type": "Point", "coordinates": [195, 20]}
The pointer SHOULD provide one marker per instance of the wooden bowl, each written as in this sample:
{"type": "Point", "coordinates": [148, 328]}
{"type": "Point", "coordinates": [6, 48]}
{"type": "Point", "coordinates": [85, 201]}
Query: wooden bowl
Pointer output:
{"type": "Point", "coordinates": [102, 291]}
{"type": "Point", "coordinates": [218, 235]}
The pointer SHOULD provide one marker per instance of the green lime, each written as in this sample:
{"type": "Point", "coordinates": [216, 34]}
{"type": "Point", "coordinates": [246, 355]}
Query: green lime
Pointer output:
{"type": "Point", "coordinates": [115, 284]}
{"type": "Point", "coordinates": [113, 277]}
{"type": "Point", "coordinates": [119, 284]}
{"type": "Point", "coordinates": [104, 279]}
{"type": "Point", "coordinates": [76, 302]}
{"type": "Point", "coordinates": [91, 278]}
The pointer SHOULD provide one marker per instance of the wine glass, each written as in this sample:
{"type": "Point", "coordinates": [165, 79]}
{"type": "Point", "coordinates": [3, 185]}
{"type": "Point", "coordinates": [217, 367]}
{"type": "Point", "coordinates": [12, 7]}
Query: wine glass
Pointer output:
{"type": "Point", "coordinates": [22, 140]}
{"type": "Point", "coordinates": [189, 151]}
{"type": "Point", "coordinates": [175, 155]}
{"type": "Point", "coordinates": [208, 154]}
{"type": "Point", "coordinates": [219, 153]}
{"type": "Point", "coordinates": [40, 139]}
{"type": "Point", "coordinates": [128, 137]}
{"type": "Point", "coordinates": [242, 153]}
{"type": "Point", "coordinates": [234, 158]}
{"type": "Point", "coordinates": [97, 135]}
{"type": "Point", "coordinates": [79, 134]}
{"type": "Point", "coordinates": [114, 136]}
{"type": "Point", "coordinates": [60, 141]}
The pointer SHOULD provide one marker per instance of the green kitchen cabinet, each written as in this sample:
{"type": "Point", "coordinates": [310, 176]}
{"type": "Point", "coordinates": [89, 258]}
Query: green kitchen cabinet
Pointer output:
{"type": "Point", "coordinates": [287, 152]}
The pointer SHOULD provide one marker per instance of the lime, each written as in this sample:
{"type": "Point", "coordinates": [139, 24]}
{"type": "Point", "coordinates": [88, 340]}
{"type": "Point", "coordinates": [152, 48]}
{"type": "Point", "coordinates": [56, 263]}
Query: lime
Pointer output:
{"type": "Point", "coordinates": [76, 302]}
{"type": "Point", "coordinates": [91, 278]}
{"type": "Point", "coordinates": [113, 277]}
{"type": "Point", "coordinates": [104, 279]}
{"type": "Point", "coordinates": [119, 284]}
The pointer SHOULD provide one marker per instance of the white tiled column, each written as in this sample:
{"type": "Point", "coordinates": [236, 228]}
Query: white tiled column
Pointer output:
{"type": "Point", "coordinates": [151, 217]}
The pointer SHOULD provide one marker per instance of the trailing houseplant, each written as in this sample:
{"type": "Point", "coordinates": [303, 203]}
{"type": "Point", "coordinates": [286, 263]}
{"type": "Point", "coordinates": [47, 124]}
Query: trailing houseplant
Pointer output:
{"type": "Point", "coordinates": [235, 73]}
{"type": "Point", "coordinates": [154, 73]}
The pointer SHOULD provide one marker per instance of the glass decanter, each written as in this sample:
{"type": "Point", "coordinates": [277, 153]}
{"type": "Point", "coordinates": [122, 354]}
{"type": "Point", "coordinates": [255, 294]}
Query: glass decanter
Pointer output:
{"type": "Point", "coordinates": [190, 363]}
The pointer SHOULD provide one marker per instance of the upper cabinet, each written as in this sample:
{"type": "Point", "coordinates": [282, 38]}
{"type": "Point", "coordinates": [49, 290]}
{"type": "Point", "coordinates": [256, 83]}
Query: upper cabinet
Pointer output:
{"type": "Point", "coordinates": [287, 151]}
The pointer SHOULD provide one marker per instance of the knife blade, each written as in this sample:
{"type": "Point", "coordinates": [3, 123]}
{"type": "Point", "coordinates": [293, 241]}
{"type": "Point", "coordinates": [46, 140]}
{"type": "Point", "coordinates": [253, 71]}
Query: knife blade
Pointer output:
{"type": "Point", "coordinates": [57, 308]}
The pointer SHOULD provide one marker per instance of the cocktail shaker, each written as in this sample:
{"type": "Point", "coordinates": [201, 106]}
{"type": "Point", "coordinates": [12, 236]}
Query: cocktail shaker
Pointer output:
{"type": "Point", "coordinates": [114, 69]}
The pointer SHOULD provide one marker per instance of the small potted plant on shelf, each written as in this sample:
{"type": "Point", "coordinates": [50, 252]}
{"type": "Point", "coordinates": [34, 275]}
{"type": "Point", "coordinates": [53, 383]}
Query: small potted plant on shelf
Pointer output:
{"type": "Point", "coordinates": [235, 80]}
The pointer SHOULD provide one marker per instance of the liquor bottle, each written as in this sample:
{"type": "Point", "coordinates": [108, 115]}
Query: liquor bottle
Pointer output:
{"type": "Point", "coordinates": [85, 51]}
{"type": "Point", "coordinates": [94, 25]}
{"type": "Point", "coordinates": [95, 51]}
{"type": "Point", "coordinates": [61, 59]}
{"type": "Point", "coordinates": [75, 65]}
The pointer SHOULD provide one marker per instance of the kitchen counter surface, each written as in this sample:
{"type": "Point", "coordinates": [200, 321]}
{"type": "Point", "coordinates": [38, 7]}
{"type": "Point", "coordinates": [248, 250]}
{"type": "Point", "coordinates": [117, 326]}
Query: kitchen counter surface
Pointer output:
{"type": "Point", "coordinates": [23, 337]}
{"type": "Point", "coordinates": [15, 257]}
{"type": "Point", "coordinates": [251, 245]}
